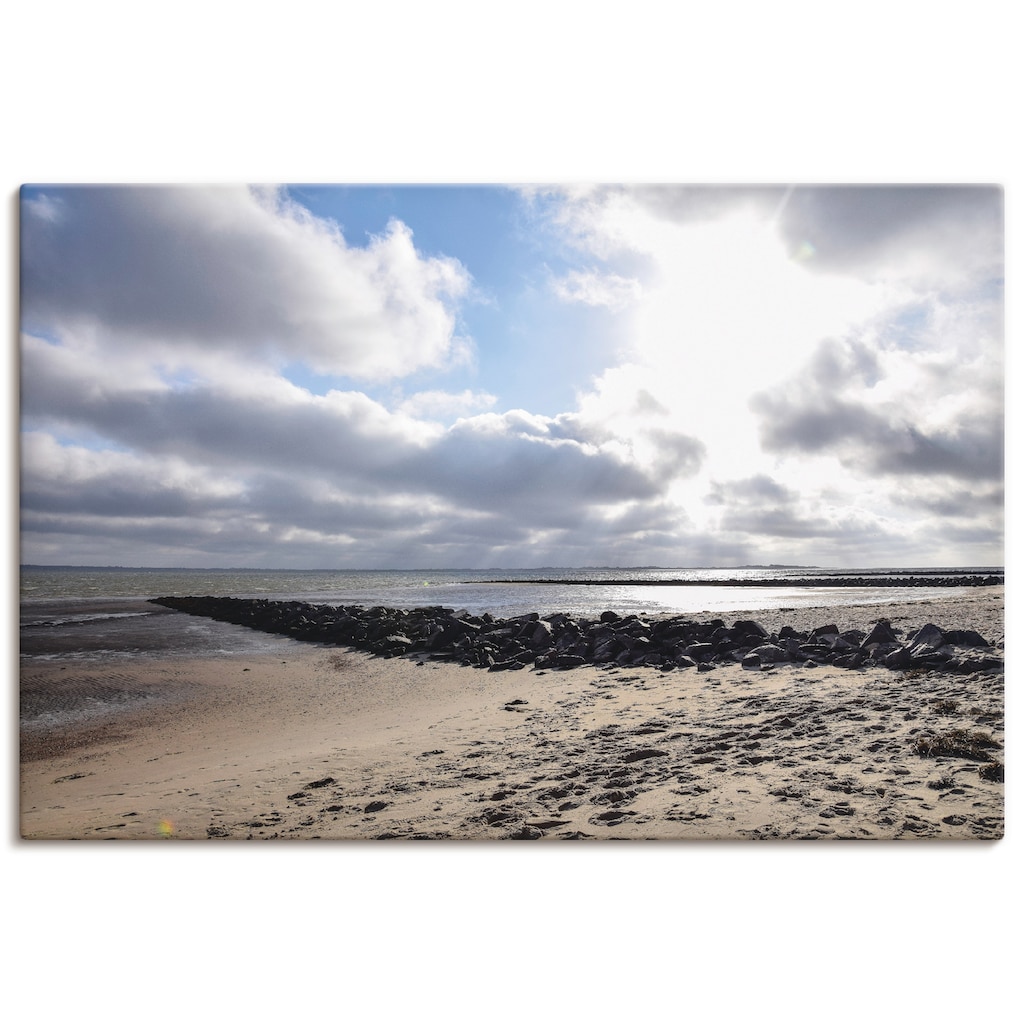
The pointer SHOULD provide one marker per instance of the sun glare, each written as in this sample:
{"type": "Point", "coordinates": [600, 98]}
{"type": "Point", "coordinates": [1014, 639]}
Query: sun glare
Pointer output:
{"type": "Point", "coordinates": [728, 294]}
{"type": "Point", "coordinates": [726, 313]}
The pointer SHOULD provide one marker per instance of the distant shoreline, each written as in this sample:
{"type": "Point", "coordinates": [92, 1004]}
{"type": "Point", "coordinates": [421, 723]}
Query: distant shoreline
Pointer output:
{"type": "Point", "coordinates": [860, 571]}
{"type": "Point", "coordinates": [955, 578]}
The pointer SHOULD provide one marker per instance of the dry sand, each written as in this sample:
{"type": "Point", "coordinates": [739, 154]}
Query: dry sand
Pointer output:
{"type": "Point", "coordinates": [328, 743]}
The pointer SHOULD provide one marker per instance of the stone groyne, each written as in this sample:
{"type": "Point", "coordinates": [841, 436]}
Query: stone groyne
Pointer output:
{"type": "Point", "coordinates": [565, 641]}
{"type": "Point", "coordinates": [887, 580]}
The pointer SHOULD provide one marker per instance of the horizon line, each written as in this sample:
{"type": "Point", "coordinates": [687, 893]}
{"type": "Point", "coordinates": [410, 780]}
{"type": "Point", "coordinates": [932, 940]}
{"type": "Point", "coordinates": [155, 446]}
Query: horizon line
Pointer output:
{"type": "Point", "coordinates": [499, 568]}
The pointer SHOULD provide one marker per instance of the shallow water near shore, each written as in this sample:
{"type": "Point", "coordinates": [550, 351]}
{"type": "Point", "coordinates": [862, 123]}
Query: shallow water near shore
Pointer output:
{"type": "Point", "coordinates": [400, 586]}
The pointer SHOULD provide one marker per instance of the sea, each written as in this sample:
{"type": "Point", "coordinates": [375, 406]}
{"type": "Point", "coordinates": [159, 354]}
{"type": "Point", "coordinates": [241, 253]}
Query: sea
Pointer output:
{"type": "Point", "coordinates": [99, 613]}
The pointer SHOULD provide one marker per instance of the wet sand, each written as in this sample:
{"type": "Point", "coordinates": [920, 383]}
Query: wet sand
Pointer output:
{"type": "Point", "coordinates": [315, 742]}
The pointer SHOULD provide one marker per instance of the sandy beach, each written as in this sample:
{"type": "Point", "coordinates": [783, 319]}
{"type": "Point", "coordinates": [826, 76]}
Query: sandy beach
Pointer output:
{"type": "Point", "coordinates": [322, 742]}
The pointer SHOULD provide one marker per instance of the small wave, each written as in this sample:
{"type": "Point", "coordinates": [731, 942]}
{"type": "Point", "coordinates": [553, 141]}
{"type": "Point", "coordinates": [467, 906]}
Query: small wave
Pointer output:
{"type": "Point", "coordinates": [73, 620]}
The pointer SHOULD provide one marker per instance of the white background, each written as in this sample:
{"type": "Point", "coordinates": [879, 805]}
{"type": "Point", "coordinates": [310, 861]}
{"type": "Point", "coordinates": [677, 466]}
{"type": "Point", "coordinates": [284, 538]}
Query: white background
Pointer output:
{"type": "Point", "coordinates": [467, 92]}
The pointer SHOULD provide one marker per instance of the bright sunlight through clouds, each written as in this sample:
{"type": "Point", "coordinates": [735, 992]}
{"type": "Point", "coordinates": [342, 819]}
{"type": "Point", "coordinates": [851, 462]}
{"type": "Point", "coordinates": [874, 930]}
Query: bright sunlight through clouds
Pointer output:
{"type": "Point", "coordinates": [462, 376]}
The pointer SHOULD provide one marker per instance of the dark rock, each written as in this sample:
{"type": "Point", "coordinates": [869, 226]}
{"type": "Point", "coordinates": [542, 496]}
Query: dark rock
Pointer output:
{"type": "Point", "coordinates": [563, 641]}
{"type": "Point", "coordinates": [788, 632]}
{"type": "Point", "coordinates": [792, 647]}
{"type": "Point", "coordinates": [853, 660]}
{"type": "Point", "coordinates": [542, 636]}
{"type": "Point", "coordinates": [769, 654]}
{"type": "Point", "coordinates": [930, 659]}
{"type": "Point", "coordinates": [840, 645]}
{"type": "Point", "coordinates": [700, 652]}
{"type": "Point", "coordinates": [899, 658]}
{"type": "Point", "coordinates": [569, 660]}
{"type": "Point", "coordinates": [512, 665]}
{"type": "Point", "coordinates": [927, 636]}
{"type": "Point", "coordinates": [881, 633]}
{"type": "Point", "coordinates": [965, 638]}
{"type": "Point", "coordinates": [748, 627]}
{"type": "Point", "coordinates": [975, 664]}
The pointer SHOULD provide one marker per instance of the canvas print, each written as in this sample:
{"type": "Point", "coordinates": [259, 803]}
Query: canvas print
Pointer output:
{"type": "Point", "coordinates": [535, 512]}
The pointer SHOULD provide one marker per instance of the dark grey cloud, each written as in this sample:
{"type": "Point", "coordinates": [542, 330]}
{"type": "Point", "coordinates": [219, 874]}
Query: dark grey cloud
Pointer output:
{"type": "Point", "coordinates": [549, 480]}
{"type": "Point", "coordinates": [762, 507]}
{"type": "Point", "coordinates": [780, 522]}
{"type": "Point", "coordinates": [954, 503]}
{"type": "Point", "coordinates": [925, 231]}
{"type": "Point", "coordinates": [838, 364]}
{"type": "Point", "coordinates": [118, 495]}
{"type": "Point", "coordinates": [274, 519]}
{"type": "Point", "coordinates": [702, 203]}
{"type": "Point", "coordinates": [760, 489]}
{"type": "Point", "coordinates": [339, 465]}
{"type": "Point", "coordinates": [872, 443]}
{"type": "Point", "coordinates": [859, 227]}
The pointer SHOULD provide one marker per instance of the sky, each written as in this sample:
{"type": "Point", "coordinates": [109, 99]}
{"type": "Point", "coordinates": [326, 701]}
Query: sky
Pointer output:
{"type": "Point", "coordinates": [316, 376]}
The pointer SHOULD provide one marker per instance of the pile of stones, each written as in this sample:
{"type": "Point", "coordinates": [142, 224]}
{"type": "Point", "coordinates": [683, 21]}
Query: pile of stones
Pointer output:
{"type": "Point", "coordinates": [564, 641]}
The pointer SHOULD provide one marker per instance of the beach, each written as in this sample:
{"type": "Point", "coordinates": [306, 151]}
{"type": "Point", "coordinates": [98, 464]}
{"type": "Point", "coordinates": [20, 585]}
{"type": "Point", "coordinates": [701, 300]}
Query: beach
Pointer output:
{"type": "Point", "coordinates": [312, 741]}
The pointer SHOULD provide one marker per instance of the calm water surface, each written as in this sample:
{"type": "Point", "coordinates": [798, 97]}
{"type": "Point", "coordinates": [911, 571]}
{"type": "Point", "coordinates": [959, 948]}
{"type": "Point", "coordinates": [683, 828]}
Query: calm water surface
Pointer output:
{"type": "Point", "coordinates": [103, 613]}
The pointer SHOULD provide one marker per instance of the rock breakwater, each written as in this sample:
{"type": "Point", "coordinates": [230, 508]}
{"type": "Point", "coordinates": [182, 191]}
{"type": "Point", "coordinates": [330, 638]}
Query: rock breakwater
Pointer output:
{"type": "Point", "coordinates": [563, 641]}
{"type": "Point", "coordinates": [896, 579]}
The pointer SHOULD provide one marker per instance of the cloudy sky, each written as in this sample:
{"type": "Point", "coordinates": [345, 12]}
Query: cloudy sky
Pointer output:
{"type": "Point", "coordinates": [319, 377]}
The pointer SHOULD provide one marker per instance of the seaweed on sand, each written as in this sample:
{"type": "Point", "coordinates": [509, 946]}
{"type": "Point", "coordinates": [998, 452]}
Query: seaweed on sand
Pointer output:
{"type": "Point", "coordinates": [974, 746]}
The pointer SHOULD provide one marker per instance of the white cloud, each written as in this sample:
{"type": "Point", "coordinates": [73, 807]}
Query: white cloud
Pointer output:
{"type": "Point", "coordinates": [176, 271]}
{"type": "Point", "coordinates": [592, 288]}
{"type": "Point", "coordinates": [444, 404]}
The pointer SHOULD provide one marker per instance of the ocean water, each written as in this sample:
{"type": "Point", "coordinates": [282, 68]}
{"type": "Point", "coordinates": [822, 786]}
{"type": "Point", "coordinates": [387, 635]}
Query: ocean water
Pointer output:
{"type": "Point", "coordinates": [102, 613]}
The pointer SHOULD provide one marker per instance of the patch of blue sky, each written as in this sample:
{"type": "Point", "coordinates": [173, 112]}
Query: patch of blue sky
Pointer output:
{"type": "Point", "coordinates": [484, 227]}
{"type": "Point", "coordinates": [77, 438]}
{"type": "Point", "coordinates": [535, 352]}
{"type": "Point", "coordinates": [992, 290]}
{"type": "Point", "coordinates": [530, 348]}
{"type": "Point", "coordinates": [38, 329]}
{"type": "Point", "coordinates": [907, 328]}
